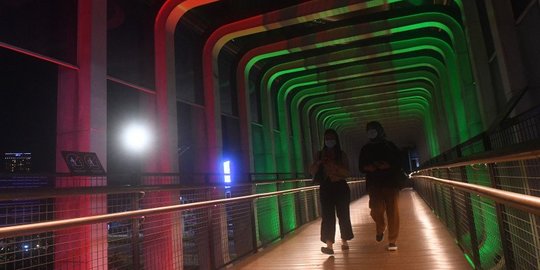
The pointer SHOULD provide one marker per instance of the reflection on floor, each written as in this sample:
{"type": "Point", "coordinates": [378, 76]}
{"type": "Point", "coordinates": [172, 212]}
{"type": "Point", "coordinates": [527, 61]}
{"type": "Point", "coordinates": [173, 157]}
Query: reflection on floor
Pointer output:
{"type": "Point", "coordinates": [424, 243]}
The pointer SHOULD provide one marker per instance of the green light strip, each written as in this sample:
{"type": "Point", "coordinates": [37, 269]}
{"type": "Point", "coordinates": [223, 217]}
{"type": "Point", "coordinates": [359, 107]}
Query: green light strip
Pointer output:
{"type": "Point", "coordinates": [290, 85]}
{"type": "Point", "coordinates": [404, 28]}
{"type": "Point", "coordinates": [366, 85]}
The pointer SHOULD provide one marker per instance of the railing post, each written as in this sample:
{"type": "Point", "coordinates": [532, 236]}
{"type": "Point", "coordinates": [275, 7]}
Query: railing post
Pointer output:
{"type": "Point", "coordinates": [444, 203]}
{"type": "Point", "coordinates": [472, 224]}
{"type": "Point", "coordinates": [210, 226]}
{"type": "Point", "coordinates": [502, 223]}
{"type": "Point", "coordinates": [254, 219]}
{"type": "Point", "coordinates": [254, 227]}
{"type": "Point", "coordinates": [454, 208]}
{"type": "Point", "coordinates": [280, 213]}
{"type": "Point", "coordinates": [135, 222]}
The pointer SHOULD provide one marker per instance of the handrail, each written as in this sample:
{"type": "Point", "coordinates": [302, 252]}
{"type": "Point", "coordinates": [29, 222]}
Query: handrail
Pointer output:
{"type": "Point", "coordinates": [504, 136]}
{"type": "Point", "coordinates": [44, 193]}
{"type": "Point", "coordinates": [524, 151]}
{"type": "Point", "coordinates": [26, 229]}
{"type": "Point", "coordinates": [530, 204]}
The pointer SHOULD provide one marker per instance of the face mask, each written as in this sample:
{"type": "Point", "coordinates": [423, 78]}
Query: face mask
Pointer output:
{"type": "Point", "coordinates": [330, 143]}
{"type": "Point", "coordinates": [372, 134]}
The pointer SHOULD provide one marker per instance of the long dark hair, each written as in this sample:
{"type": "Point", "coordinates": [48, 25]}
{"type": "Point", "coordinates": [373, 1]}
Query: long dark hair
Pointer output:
{"type": "Point", "coordinates": [338, 144]}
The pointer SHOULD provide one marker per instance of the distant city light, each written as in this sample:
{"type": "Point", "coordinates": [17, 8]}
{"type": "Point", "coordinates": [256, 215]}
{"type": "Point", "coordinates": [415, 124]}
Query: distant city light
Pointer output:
{"type": "Point", "coordinates": [18, 162]}
{"type": "Point", "coordinates": [227, 171]}
{"type": "Point", "coordinates": [136, 137]}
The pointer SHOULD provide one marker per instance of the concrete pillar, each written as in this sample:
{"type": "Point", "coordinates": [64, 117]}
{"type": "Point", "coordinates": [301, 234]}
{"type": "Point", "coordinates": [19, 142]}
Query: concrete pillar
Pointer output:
{"type": "Point", "coordinates": [162, 243]}
{"type": "Point", "coordinates": [82, 123]}
{"type": "Point", "coordinates": [507, 48]}
{"type": "Point", "coordinates": [480, 65]}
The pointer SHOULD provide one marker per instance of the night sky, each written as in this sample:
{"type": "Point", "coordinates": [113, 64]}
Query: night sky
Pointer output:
{"type": "Point", "coordinates": [28, 108]}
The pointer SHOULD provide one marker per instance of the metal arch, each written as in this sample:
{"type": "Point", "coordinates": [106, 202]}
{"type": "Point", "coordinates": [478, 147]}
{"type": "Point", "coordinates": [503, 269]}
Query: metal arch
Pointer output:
{"type": "Point", "coordinates": [304, 12]}
{"type": "Point", "coordinates": [242, 100]}
{"type": "Point", "coordinates": [419, 109]}
{"type": "Point", "coordinates": [381, 82]}
{"type": "Point", "coordinates": [301, 95]}
{"type": "Point", "coordinates": [165, 22]}
{"type": "Point", "coordinates": [217, 40]}
{"type": "Point", "coordinates": [264, 103]}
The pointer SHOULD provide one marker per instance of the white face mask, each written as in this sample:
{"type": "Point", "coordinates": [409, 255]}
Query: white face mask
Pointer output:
{"type": "Point", "coordinates": [330, 143]}
{"type": "Point", "coordinates": [372, 134]}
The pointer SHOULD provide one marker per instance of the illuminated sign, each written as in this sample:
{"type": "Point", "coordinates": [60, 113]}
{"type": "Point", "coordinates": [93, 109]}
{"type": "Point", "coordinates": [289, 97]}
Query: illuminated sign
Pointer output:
{"type": "Point", "coordinates": [83, 163]}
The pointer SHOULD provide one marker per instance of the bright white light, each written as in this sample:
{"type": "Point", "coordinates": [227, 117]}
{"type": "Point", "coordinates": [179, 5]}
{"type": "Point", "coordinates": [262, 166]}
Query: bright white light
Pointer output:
{"type": "Point", "coordinates": [136, 137]}
{"type": "Point", "coordinates": [227, 171]}
{"type": "Point", "coordinates": [227, 167]}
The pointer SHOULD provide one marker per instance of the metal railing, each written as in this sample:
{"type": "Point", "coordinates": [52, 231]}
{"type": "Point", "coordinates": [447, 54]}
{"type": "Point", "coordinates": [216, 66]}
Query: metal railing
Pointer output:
{"type": "Point", "coordinates": [487, 192]}
{"type": "Point", "coordinates": [151, 227]}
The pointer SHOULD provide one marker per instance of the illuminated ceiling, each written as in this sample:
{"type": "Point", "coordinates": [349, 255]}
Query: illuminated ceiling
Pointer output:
{"type": "Point", "coordinates": [339, 64]}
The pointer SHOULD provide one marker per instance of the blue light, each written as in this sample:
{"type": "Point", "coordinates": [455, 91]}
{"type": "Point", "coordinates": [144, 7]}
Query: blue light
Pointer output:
{"type": "Point", "coordinates": [227, 171]}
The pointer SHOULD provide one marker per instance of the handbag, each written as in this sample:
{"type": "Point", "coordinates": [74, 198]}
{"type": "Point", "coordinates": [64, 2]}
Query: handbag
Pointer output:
{"type": "Point", "coordinates": [319, 175]}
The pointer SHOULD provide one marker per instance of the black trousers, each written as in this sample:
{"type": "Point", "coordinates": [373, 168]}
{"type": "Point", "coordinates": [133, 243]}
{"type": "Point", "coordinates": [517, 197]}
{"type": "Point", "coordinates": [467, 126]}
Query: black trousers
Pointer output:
{"type": "Point", "coordinates": [335, 199]}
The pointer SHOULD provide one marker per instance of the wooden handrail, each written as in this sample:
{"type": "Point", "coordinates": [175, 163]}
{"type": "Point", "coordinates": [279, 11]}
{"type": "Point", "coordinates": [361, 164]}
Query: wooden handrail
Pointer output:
{"type": "Point", "coordinates": [530, 204]}
{"type": "Point", "coordinates": [45, 193]}
{"type": "Point", "coordinates": [26, 229]}
{"type": "Point", "coordinates": [524, 151]}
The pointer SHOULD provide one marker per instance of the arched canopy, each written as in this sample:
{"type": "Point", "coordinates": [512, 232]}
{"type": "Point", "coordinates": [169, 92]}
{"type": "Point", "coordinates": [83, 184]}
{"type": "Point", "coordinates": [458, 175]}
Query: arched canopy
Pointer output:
{"type": "Point", "coordinates": [301, 68]}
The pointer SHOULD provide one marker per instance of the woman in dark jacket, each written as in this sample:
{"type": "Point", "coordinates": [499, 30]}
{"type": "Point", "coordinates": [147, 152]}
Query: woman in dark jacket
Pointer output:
{"type": "Point", "coordinates": [334, 191]}
{"type": "Point", "coordinates": [380, 161]}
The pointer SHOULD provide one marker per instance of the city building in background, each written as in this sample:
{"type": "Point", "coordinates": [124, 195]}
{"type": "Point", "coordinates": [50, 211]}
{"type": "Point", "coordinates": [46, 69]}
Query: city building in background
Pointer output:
{"type": "Point", "coordinates": [18, 162]}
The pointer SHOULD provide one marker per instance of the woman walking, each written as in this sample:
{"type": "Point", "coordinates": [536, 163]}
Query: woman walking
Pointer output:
{"type": "Point", "coordinates": [334, 192]}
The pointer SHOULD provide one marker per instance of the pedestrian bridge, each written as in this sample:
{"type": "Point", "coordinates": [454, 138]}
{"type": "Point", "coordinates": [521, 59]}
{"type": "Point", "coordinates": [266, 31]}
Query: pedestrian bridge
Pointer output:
{"type": "Point", "coordinates": [450, 219]}
{"type": "Point", "coordinates": [455, 83]}
{"type": "Point", "coordinates": [424, 243]}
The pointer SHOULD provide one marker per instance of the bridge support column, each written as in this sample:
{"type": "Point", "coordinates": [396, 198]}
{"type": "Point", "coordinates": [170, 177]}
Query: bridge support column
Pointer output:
{"type": "Point", "coordinates": [82, 126]}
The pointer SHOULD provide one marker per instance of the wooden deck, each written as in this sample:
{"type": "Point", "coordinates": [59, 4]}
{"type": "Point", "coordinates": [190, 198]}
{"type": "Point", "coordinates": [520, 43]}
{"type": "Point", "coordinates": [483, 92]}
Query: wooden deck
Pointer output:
{"type": "Point", "coordinates": [424, 243]}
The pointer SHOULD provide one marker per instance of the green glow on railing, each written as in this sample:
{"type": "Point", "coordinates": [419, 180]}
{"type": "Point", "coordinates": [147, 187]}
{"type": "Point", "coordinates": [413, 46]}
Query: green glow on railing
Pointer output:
{"type": "Point", "coordinates": [288, 209]}
{"type": "Point", "coordinates": [485, 218]}
{"type": "Point", "coordinates": [275, 215]}
{"type": "Point", "coordinates": [267, 215]}
{"type": "Point", "coordinates": [469, 260]}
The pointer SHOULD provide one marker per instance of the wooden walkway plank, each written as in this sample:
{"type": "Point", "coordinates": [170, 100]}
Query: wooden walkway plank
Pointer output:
{"type": "Point", "coordinates": [424, 243]}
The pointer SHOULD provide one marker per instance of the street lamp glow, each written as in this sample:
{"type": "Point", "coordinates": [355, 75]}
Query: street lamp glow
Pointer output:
{"type": "Point", "coordinates": [136, 137]}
